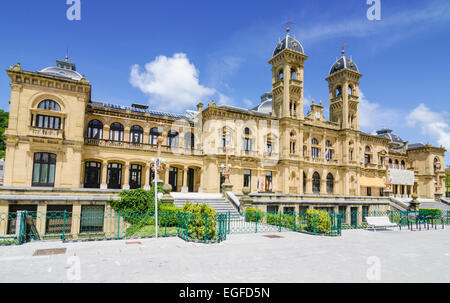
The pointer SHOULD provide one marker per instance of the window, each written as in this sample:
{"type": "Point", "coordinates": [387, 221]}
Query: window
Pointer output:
{"type": "Point", "coordinates": [330, 184]}
{"type": "Point", "coordinates": [289, 210]}
{"type": "Point", "coordinates": [248, 178]}
{"type": "Point", "coordinates": [92, 174]}
{"type": "Point", "coordinates": [116, 132]}
{"type": "Point", "coordinates": [269, 185]}
{"type": "Point", "coordinates": [403, 165]}
{"type": "Point", "coordinates": [56, 221]}
{"type": "Point", "coordinates": [173, 138]}
{"type": "Point", "coordinates": [49, 105]}
{"type": "Point", "coordinates": [367, 159]}
{"type": "Point", "coordinates": [154, 134]}
{"type": "Point", "coordinates": [44, 170]}
{"type": "Point", "coordinates": [189, 142]}
{"type": "Point", "coordinates": [95, 130]}
{"type": "Point", "coordinates": [314, 152]}
{"type": "Point", "coordinates": [114, 179]}
{"type": "Point", "coordinates": [368, 150]}
{"type": "Point", "coordinates": [316, 183]}
{"type": "Point", "coordinates": [315, 141]}
{"type": "Point", "coordinates": [292, 149]}
{"type": "Point", "coordinates": [304, 182]}
{"type": "Point", "coordinates": [135, 176]}
{"type": "Point", "coordinates": [137, 134]}
{"type": "Point", "coordinates": [369, 191]}
{"type": "Point", "coordinates": [396, 166]}
{"type": "Point", "coordinates": [48, 122]}
{"type": "Point", "coordinates": [269, 147]}
{"type": "Point", "coordinates": [92, 219]}
{"type": "Point", "coordinates": [247, 144]}
{"type": "Point", "coordinates": [272, 209]}
{"type": "Point", "coordinates": [328, 151]}
{"type": "Point", "coordinates": [365, 213]}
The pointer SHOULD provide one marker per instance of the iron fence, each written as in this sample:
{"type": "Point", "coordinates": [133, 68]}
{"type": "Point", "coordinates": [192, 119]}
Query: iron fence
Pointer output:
{"type": "Point", "coordinates": [109, 225]}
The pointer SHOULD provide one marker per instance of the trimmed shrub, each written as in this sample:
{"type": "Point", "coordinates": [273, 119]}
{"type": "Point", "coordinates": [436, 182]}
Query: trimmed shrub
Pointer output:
{"type": "Point", "coordinates": [322, 221]}
{"type": "Point", "coordinates": [273, 219]}
{"type": "Point", "coordinates": [202, 221]}
{"type": "Point", "coordinates": [168, 215]}
{"type": "Point", "coordinates": [288, 220]}
{"type": "Point", "coordinates": [251, 214]}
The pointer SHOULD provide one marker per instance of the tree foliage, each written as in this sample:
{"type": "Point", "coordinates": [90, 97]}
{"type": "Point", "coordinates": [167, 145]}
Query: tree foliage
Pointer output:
{"type": "Point", "coordinates": [4, 117]}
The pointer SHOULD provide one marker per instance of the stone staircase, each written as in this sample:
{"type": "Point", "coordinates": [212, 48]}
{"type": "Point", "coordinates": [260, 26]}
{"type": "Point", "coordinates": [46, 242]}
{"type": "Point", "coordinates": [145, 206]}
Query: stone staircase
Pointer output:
{"type": "Point", "coordinates": [434, 205]}
{"type": "Point", "coordinates": [217, 201]}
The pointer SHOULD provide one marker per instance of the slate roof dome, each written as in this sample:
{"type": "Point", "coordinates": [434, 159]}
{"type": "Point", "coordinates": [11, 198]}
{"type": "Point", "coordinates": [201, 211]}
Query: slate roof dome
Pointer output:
{"type": "Point", "coordinates": [342, 63]}
{"type": "Point", "coordinates": [289, 43]}
{"type": "Point", "coordinates": [388, 133]}
{"type": "Point", "coordinates": [63, 68]}
{"type": "Point", "coordinates": [265, 107]}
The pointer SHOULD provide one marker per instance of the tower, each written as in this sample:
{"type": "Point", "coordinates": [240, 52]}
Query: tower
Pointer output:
{"type": "Point", "coordinates": [343, 83]}
{"type": "Point", "coordinates": [287, 78]}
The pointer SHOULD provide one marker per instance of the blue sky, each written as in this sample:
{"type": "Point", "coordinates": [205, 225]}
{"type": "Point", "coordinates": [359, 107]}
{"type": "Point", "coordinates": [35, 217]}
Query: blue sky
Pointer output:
{"type": "Point", "coordinates": [175, 54]}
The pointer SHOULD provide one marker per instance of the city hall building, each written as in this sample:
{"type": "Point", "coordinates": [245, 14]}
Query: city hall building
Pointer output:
{"type": "Point", "coordinates": [59, 138]}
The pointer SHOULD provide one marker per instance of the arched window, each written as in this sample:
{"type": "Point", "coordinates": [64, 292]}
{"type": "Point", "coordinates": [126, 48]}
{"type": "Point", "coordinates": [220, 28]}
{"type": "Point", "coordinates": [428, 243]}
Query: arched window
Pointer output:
{"type": "Point", "coordinates": [316, 183]}
{"type": "Point", "coordinates": [315, 141]}
{"type": "Point", "coordinates": [280, 75]}
{"type": "Point", "coordinates": [403, 165]}
{"type": "Point", "coordinates": [350, 90]}
{"type": "Point", "coordinates": [135, 176]}
{"type": "Point", "coordinates": [293, 143]}
{"type": "Point", "coordinates": [396, 166]}
{"type": "Point", "coordinates": [137, 134]}
{"type": "Point", "coordinates": [368, 149]}
{"type": "Point", "coordinates": [390, 163]}
{"type": "Point", "coordinates": [437, 164]}
{"type": "Point", "coordinates": [116, 132]}
{"type": "Point", "coordinates": [330, 184]}
{"type": "Point", "coordinates": [49, 105]}
{"type": "Point", "coordinates": [92, 174]}
{"type": "Point", "coordinates": [338, 91]}
{"type": "Point", "coordinates": [95, 130]}
{"type": "Point", "coordinates": [44, 167]}
{"type": "Point", "coordinates": [293, 74]}
{"type": "Point", "coordinates": [154, 134]}
{"type": "Point", "coordinates": [173, 138]}
{"type": "Point", "coordinates": [189, 142]}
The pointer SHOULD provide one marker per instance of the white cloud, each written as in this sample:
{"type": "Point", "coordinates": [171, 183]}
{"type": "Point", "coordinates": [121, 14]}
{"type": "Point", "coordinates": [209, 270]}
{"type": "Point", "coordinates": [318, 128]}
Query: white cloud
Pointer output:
{"type": "Point", "coordinates": [372, 117]}
{"type": "Point", "coordinates": [432, 124]}
{"type": "Point", "coordinates": [172, 83]}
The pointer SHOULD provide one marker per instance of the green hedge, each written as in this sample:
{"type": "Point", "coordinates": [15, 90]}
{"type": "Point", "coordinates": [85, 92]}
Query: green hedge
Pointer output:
{"type": "Point", "coordinates": [202, 221]}
{"type": "Point", "coordinates": [168, 215]}
{"type": "Point", "coordinates": [322, 221]}
{"type": "Point", "coordinates": [251, 214]}
{"type": "Point", "coordinates": [430, 212]}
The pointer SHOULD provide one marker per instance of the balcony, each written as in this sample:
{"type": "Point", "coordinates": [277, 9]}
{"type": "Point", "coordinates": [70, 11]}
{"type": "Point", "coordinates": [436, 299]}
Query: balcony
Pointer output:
{"type": "Point", "coordinates": [140, 146]}
{"type": "Point", "coordinates": [47, 133]}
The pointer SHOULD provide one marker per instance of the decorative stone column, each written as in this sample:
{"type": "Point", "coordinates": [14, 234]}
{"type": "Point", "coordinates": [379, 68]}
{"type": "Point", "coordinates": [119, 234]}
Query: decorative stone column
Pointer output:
{"type": "Point", "coordinates": [147, 185]}
{"type": "Point", "coordinates": [126, 177]}
{"type": "Point", "coordinates": [184, 188]}
{"type": "Point", "coordinates": [104, 183]}
{"type": "Point", "coordinates": [227, 187]}
{"type": "Point", "coordinates": [167, 198]}
{"type": "Point", "coordinates": [245, 200]}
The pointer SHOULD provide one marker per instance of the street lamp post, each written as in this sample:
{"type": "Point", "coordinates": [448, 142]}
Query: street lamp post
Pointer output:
{"type": "Point", "coordinates": [226, 172]}
{"type": "Point", "coordinates": [158, 164]}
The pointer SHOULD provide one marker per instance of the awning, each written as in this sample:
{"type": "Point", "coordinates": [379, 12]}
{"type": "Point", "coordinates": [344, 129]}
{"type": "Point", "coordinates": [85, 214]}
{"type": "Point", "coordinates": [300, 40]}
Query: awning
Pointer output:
{"type": "Point", "coordinates": [371, 182]}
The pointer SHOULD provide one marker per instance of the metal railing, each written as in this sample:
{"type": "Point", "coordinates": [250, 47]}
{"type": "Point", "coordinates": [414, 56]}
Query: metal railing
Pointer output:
{"type": "Point", "coordinates": [109, 225]}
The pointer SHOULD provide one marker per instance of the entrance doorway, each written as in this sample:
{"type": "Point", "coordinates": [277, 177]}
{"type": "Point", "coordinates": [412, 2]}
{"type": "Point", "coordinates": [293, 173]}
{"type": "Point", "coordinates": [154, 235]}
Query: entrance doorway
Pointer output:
{"type": "Point", "coordinates": [190, 179]}
{"type": "Point", "coordinates": [173, 178]}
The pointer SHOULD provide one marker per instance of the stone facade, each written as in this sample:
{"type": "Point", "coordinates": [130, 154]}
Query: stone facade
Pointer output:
{"type": "Point", "coordinates": [283, 150]}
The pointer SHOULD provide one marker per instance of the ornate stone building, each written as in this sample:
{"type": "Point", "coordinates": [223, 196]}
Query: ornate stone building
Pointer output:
{"type": "Point", "coordinates": [59, 137]}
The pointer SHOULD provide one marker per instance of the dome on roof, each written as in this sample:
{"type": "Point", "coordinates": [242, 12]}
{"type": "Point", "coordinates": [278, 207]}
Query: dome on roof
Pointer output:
{"type": "Point", "coordinates": [343, 63]}
{"type": "Point", "coordinates": [265, 107]}
{"type": "Point", "coordinates": [64, 69]}
{"type": "Point", "coordinates": [289, 43]}
{"type": "Point", "coordinates": [387, 133]}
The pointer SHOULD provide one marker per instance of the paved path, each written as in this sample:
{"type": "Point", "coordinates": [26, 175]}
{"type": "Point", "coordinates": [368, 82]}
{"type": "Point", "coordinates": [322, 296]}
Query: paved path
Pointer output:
{"type": "Point", "coordinates": [404, 256]}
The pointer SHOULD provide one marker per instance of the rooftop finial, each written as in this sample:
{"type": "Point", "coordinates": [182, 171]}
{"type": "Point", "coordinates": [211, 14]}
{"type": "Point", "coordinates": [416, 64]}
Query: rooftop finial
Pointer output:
{"type": "Point", "coordinates": [343, 49]}
{"type": "Point", "coordinates": [288, 27]}
{"type": "Point", "coordinates": [67, 54]}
